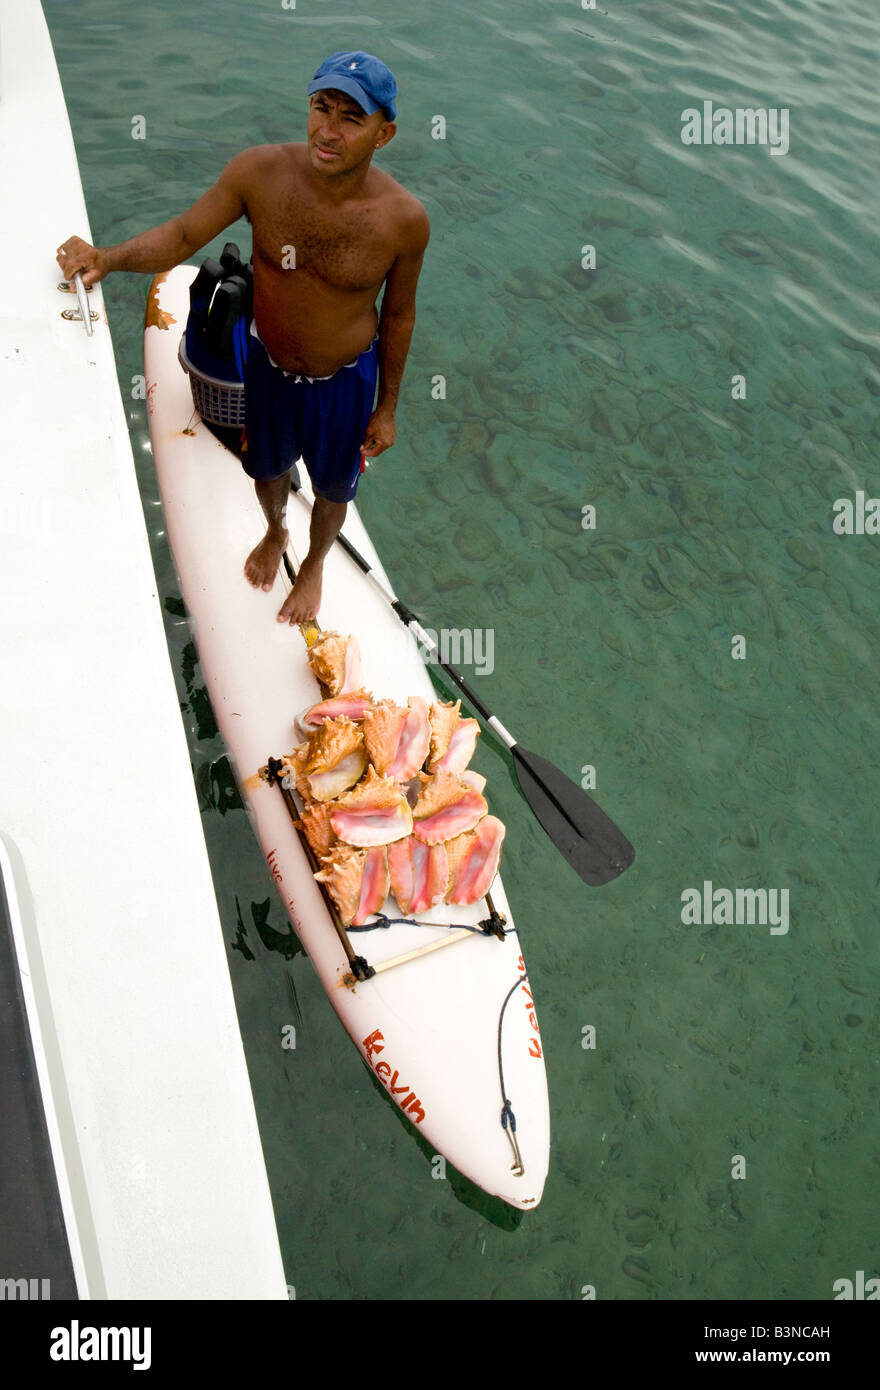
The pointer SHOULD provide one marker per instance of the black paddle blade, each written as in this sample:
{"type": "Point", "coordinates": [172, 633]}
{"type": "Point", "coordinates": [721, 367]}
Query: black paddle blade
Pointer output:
{"type": "Point", "coordinates": [580, 830]}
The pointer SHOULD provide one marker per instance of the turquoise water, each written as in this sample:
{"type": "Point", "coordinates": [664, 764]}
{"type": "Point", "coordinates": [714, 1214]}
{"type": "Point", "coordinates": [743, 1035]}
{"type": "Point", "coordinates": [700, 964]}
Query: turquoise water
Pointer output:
{"type": "Point", "coordinates": [569, 387]}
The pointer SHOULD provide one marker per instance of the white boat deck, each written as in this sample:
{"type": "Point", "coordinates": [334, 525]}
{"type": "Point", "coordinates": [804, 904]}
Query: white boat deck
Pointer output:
{"type": "Point", "coordinates": [167, 1195]}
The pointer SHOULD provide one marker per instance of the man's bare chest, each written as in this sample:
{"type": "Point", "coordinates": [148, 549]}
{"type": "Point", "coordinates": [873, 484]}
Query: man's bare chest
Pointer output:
{"type": "Point", "coordinates": [348, 251]}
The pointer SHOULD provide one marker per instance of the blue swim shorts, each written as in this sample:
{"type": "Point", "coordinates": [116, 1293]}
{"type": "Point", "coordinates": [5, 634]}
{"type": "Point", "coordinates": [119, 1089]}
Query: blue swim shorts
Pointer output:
{"type": "Point", "coordinates": [322, 419]}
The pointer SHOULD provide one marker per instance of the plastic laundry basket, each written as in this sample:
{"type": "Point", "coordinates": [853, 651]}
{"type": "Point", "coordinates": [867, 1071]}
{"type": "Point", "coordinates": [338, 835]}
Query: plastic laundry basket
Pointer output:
{"type": "Point", "coordinates": [218, 402]}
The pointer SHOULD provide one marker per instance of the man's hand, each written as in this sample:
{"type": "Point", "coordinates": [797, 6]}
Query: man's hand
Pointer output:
{"type": "Point", "coordinates": [74, 255]}
{"type": "Point", "coordinates": [381, 432]}
{"type": "Point", "coordinates": [167, 245]}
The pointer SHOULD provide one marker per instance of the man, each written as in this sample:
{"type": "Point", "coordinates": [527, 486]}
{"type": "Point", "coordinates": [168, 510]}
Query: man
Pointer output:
{"type": "Point", "coordinates": [329, 231]}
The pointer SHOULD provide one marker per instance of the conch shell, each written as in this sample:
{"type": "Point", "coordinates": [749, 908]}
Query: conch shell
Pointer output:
{"type": "Point", "coordinates": [315, 823]}
{"type": "Point", "coordinates": [376, 812]}
{"type": "Point", "coordinates": [473, 861]}
{"type": "Point", "coordinates": [398, 739]}
{"type": "Point", "coordinates": [419, 873]}
{"type": "Point", "coordinates": [453, 739]}
{"type": "Point", "coordinates": [336, 662]}
{"type": "Point", "coordinates": [446, 807]}
{"type": "Point", "coordinates": [357, 881]}
{"type": "Point", "coordinates": [352, 705]}
{"type": "Point", "coordinates": [335, 759]}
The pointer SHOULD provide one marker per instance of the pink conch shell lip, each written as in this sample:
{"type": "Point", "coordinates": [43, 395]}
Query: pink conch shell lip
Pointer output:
{"type": "Point", "coordinates": [413, 743]}
{"type": "Point", "coordinates": [430, 878]}
{"type": "Point", "coordinates": [480, 864]}
{"type": "Point", "coordinates": [419, 874]}
{"type": "Point", "coordinates": [374, 885]}
{"type": "Point", "coordinates": [461, 747]}
{"type": "Point", "coordinates": [352, 706]}
{"type": "Point", "coordinates": [372, 825]}
{"type": "Point", "coordinates": [351, 678]}
{"type": "Point", "coordinates": [452, 820]}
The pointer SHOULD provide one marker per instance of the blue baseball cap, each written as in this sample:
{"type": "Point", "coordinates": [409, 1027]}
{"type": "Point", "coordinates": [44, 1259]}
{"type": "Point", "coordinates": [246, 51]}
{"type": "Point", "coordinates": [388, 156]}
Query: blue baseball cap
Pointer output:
{"type": "Point", "coordinates": [361, 76]}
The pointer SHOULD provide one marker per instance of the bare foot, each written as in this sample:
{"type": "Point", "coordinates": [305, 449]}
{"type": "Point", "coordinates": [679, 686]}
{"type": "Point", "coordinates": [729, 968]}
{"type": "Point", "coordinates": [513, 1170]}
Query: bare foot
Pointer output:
{"type": "Point", "coordinates": [304, 599]}
{"type": "Point", "coordinates": [261, 566]}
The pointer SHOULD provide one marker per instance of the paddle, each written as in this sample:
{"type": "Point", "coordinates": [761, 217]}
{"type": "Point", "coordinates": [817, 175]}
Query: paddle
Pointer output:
{"type": "Point", "coordinates": [580, 830]}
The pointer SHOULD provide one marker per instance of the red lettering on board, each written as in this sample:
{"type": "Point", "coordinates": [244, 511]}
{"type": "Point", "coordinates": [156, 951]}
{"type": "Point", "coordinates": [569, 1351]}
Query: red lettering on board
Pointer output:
{"type": "Point", "coordinates": [374, 1043]}
{"type": "Point", "coordinates": [535, 1041]}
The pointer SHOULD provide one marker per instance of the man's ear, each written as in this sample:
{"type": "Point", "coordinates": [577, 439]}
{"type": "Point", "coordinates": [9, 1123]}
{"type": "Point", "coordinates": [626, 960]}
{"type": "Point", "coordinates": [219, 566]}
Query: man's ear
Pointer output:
{"type": "Point", "coordinates": [387, 132]}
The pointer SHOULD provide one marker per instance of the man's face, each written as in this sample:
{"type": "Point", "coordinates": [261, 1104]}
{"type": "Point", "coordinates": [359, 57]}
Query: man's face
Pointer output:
{"type": "Point", "coordinates": [341, 134]}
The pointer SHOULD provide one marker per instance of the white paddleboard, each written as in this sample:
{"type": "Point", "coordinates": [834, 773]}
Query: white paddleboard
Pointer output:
{"type": "Point", "coordinates": [428, 1029]}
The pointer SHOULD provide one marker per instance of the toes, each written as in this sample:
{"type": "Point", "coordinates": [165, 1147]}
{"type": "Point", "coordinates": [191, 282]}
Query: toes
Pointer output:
{"type": "Point", "coordinates": [290, 617]}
